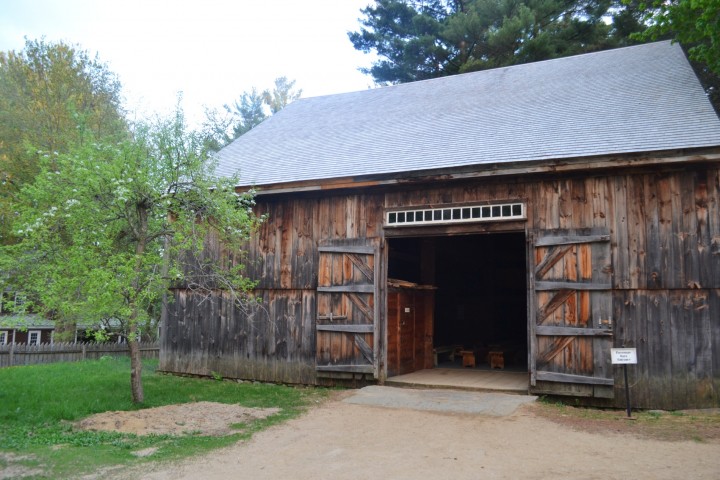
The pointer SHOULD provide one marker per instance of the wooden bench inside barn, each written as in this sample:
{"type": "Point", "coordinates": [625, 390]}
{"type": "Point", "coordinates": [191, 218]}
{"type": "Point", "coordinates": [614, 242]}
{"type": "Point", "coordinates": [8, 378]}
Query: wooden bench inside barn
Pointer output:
{"type": "Point", "coordinates": [497, 359]}
{"type": "Point", "coordinates": [449, 350]}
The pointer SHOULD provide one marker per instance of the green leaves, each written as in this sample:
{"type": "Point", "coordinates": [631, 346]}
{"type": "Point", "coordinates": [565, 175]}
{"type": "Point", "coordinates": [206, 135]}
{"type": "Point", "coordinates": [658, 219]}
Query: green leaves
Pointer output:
{"type": "Point", "coordinates": [694, 23]}
{"type": "Point", "coordinates": [249, 111]}
{"type": "Point", "coordinates": [105, 228]}
{"type": "Point", "coordinates": [420, 40]}
{"type": "Point", "coordinates": [50, 95]}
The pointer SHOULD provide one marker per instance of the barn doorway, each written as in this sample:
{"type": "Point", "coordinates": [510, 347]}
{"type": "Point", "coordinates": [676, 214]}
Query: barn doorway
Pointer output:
{"type": "Point", "coordinates": [480, 299]}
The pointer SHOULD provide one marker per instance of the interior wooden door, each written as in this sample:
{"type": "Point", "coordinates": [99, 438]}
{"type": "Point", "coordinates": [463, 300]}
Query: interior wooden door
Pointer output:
{"type": "Point", "coordinates": [406, 332]}
{"type": "Point", "coordinates": [346, 327]}
{"type": "Point", "coordinates": [571, 313]}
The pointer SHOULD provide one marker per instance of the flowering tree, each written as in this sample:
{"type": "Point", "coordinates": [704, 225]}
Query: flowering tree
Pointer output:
{"type": "Point", "coordinates": [108, 227]}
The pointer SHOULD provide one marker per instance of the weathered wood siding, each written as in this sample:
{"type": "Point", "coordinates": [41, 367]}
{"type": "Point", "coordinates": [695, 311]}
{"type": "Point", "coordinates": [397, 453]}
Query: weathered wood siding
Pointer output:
{"type": "Point", "coordinates": [665, 247]}
{"type": "Point", "coordinates": [274, 341]}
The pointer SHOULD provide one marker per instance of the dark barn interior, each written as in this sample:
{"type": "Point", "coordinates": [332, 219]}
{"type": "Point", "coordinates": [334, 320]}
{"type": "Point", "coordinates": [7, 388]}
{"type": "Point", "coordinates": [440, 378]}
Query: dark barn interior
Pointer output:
{"type": "Point", "coordinates": [481, 296]}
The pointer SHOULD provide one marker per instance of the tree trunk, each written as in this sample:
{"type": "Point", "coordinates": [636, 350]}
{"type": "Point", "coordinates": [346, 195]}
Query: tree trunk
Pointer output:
{"type": "Point", "coordinates": [136, 387]}
{"type": "Point", "coordinates": [65, 330]}
{"type": "Point", "coordinates": [138, 396]}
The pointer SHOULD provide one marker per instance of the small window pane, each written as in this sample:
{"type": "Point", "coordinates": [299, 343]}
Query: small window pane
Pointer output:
{"type": "Point", "coordinates": [457, 214]}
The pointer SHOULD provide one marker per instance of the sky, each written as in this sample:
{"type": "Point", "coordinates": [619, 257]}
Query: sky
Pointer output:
{"type": "Point", "coordinates": [210, 50]}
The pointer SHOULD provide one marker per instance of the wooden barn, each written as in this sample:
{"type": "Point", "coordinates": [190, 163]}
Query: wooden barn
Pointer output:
{"type": "Point", "coordinates": [534, 216]}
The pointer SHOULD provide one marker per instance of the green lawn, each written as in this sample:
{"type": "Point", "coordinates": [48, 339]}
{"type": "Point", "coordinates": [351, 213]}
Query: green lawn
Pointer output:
{"type": "Point", "coordinates": [39, 403]}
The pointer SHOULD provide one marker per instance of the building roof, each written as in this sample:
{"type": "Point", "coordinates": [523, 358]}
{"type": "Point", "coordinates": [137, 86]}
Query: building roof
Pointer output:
{"type": "Point", "coordinates": [35, 321]}
{"type": "Point", "coordinates": [23, 321]}
{"type": "Point", "coordinates": [636, 99]}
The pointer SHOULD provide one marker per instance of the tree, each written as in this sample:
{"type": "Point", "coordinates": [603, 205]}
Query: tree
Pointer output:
{"type": "Point", "coordinates": [249, 111]}
{"type": "Point", "coordinates": [50, 94]}
{"type": "Point", "coordinates": [108, 227]}
{"type": "Point", "coordinates": [696, 25]}
{"type": "Point", "coordinates": [281, 95]}
{"type": "Point", "coordinates": [417, 40]}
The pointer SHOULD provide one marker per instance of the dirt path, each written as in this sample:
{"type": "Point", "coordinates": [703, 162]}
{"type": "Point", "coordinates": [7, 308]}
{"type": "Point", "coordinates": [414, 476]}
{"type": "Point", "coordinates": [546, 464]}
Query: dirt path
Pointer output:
{"type": "Point", "coordinates": [343, 441]}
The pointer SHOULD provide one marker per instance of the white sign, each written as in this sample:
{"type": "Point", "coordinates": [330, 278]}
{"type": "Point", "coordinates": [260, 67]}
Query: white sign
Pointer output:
{"type": "Point", "coordinates": [623, 355]}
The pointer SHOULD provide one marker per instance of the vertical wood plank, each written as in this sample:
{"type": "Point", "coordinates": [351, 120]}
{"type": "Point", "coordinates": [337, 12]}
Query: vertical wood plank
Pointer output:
{"type": "Point", "coordinates": [713, 206]}
{"type": "Point", "coordinates": [287, 254]}
{"type": "Point", "coordinates": [581, 209]}
{"type": "Point", "coordinates": [539, 206]}
{"type": "Point", "coordinates": [704, 238]}
{"type": "Point", "coordinates": [636, 230]}
{"type": "Point", "coordinates": [653, 271]}
{"type": "Point", "coordinates": [680, 357]}
{"type": "Point", "coordinates": [658, 347]}
{"type": "Point", "coordinates": [670, 270]}
{"type": "Point", "coordinates": [688, 233]}
{"type": "Point", "coordinates": [308, 346]}
{"type": "Point", "coordinates": [714, 320]}
{"type": "Point", "coordinates": [636, 311]}
{"type": "Point", "coordinates": [701, 375]}
{"type": "Point", "coordinates": [374, 211]}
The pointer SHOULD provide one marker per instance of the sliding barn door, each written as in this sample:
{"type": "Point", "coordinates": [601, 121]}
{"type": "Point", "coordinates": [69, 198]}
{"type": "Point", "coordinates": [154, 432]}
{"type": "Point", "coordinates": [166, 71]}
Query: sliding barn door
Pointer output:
{"type": "Point", "coordinates": [571, 313]}
{"type": "Point", "coordinates": [347, 320]}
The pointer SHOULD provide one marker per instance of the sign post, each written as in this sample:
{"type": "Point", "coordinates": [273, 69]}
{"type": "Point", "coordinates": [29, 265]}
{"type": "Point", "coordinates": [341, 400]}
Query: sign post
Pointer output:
{"type": "Point", "coordinates": [624, 357]}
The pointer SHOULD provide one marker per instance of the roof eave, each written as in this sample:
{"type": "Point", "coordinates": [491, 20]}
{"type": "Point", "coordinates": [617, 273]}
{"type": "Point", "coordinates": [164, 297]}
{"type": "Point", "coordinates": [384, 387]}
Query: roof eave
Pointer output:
{"type": "Point", "coordinates": [624, 160]}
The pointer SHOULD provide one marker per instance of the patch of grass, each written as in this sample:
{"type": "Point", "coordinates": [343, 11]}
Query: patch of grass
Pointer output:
{"type": "Point", "coordinates": [40, 403]}
{"type": "Point", "coordinates": [652, 415]}
{"type": "Point", "coordinates": [658, 425]}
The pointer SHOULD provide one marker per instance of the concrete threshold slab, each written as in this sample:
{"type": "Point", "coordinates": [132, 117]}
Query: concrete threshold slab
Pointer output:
{"type": "Point", "coordinates": [454, 379]}
{"type": "Point", "coordinates": [438, 400]}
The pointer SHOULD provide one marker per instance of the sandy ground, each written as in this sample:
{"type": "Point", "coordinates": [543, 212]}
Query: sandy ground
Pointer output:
{"type": "Point", "coordinates": [205, 418]}
{"type": "Point", "coordinates": [344, 441]}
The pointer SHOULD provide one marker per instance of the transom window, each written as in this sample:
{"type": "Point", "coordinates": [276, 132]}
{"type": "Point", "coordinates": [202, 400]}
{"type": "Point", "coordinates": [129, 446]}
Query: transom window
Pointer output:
{"type": "Point", "coordinates": [461, 214]}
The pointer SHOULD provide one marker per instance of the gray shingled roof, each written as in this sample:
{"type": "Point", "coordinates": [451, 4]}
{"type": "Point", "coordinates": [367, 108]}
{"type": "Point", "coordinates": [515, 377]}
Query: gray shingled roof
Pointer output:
{"type": "Point", "coordinates": [636, 99]}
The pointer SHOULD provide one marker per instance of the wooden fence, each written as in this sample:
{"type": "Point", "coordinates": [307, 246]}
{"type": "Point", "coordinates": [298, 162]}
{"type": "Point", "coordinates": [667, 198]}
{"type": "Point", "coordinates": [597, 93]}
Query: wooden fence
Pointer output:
{"type": "Point", "coordinates": [21, 354]}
